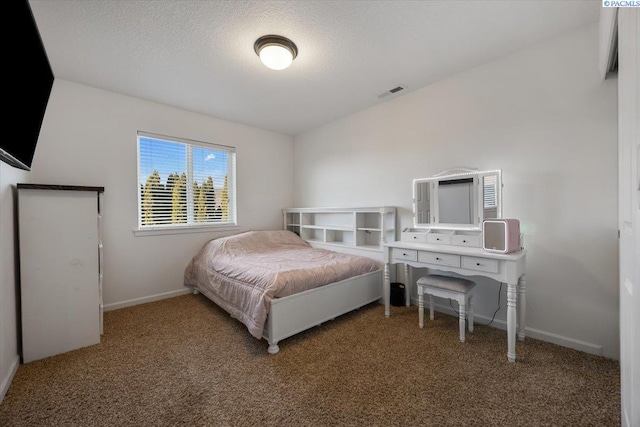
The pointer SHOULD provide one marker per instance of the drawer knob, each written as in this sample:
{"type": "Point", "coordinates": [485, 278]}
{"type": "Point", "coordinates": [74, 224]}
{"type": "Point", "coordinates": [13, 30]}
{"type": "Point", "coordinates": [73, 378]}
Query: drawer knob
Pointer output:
{"type": "Point", "coordinates": [477, 263]}
{"type": "Point", "coordinates": [403, 254]}
{"type": "Point", "coordinates": [464, 241]}
{"type": "Point", "coordinates": [437, 259]}
{"type": "Point", "coordinates": [415, 237]}
{"type": "Point", "coordinates": [437, 238]}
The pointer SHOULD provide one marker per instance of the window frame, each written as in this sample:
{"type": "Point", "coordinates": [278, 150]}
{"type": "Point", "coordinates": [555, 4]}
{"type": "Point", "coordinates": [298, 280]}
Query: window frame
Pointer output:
{"type": "Point", "coordinates": [193, 227]}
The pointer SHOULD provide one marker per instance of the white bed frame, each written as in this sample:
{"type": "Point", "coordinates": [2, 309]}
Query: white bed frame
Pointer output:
{"type": "Point", "coordinates": [298, 312]}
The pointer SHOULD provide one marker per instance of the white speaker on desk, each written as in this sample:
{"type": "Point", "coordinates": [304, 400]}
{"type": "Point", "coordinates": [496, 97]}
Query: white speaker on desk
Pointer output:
{"type": "Point", "coordinates": [501, 235]}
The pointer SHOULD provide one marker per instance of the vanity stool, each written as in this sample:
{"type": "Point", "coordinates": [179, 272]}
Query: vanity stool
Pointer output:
{"type": "Point", "coordinates": [454, 288]}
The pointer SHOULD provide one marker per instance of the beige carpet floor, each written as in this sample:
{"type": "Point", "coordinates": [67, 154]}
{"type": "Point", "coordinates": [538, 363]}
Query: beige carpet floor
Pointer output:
{"type": "Point", "coordinates": [183, 361]}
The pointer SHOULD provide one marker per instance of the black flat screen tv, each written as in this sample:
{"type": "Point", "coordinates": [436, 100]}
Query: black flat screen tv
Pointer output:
{"type": "Point", "coordinates": [32, 79]}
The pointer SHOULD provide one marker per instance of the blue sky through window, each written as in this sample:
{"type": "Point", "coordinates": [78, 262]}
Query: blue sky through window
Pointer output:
{"type": "Point", "coordinates": [171, 157]}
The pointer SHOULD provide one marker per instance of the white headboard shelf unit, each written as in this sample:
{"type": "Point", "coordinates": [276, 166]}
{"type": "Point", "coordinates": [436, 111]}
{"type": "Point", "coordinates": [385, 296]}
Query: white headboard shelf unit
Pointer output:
{"type": "Point", "coordinates": [352, 228]}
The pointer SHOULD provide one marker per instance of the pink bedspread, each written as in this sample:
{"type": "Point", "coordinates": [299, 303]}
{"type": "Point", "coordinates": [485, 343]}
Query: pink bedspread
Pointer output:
{"type": "Point", "coordinates": [242, 273]}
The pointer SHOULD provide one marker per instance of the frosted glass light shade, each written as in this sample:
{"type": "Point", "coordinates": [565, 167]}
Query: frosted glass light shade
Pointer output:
{"type": "Point", "coordinates": [276, 57]}
{"type": "Point", "coordinates": [276, 52]}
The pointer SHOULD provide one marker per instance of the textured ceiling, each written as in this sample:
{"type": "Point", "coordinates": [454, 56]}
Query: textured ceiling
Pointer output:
{"type": "Point", "coordinates": [198, 55]}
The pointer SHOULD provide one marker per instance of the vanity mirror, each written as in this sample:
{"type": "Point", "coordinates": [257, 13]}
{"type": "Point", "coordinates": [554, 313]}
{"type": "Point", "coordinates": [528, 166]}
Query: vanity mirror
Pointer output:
{"type": "Point", "coordinates": [457, 199]}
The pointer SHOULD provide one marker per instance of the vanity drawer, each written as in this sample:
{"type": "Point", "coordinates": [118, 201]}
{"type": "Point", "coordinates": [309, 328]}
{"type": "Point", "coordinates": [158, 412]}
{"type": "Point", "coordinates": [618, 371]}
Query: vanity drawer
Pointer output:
{"type": "Point", "coordinates": [439, 238]}
{"type": "Point", "coordinates": [480, 264]}
{"type": "Point", "coordinates": [412, 236]}
{"type": "Point", "coordinates": [406, 254]}
{"type": "Point", "coordinates": [442, 259]}
{"type": "Point", "coordinates": [462, 240]}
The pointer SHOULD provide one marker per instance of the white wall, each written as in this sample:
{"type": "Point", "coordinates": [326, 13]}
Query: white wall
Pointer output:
{"type": "Point", "coordinates": [89, 138]}
{"type": "Point", "coordinates": [545, 118]}
{"type": "Point", "coordinates": [9, 360]}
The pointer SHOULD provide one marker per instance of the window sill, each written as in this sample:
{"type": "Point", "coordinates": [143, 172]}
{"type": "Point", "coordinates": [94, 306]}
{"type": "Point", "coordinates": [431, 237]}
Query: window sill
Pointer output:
{"type": "Point", "coordinates": [183, 230]}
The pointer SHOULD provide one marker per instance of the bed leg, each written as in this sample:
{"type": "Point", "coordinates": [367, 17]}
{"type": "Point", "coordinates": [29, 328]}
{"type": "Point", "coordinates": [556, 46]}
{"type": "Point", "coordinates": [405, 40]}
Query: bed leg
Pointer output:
{"type": "Point", "coordinates": [273, 348]}
{"type": "Point", "coordinates": [195, 291]}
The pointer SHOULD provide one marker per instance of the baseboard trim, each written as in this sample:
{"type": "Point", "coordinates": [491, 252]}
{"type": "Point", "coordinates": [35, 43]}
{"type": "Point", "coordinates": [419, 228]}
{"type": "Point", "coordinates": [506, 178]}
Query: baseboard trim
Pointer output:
{"type": "Point", "coordinates": [142, 300]}
{"type": "Point", "coordinates": [587, 347]}
{"type": "Point", "coordinates": [561, 340]}
{"type": "Point", "coordinates": [6, 381]}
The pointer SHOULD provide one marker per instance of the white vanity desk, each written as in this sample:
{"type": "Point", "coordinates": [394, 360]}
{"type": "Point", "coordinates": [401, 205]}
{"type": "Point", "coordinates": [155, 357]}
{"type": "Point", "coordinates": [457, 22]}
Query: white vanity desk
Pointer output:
{"type": "Point", "coordinates": [467, 261]}
{"type": "Point", "coordinates": [450, 210]}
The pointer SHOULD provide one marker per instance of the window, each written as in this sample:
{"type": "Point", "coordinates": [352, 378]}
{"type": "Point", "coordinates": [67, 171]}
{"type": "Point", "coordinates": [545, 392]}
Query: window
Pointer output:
{"type": "Point", "coordinates": [183, 183]}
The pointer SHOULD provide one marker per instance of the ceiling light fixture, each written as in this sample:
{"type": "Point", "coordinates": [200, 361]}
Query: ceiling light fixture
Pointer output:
{"type": "Point", "coordinates": [276, 52]}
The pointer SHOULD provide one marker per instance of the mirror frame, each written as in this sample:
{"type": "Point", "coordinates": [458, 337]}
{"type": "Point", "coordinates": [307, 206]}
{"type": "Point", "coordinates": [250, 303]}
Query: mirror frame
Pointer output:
{"type": "Point", "coordinates": [452, 174]}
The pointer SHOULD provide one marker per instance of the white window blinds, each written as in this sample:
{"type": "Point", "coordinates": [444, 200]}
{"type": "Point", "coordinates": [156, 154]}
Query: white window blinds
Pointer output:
{"type": "Point", "coordinates": [184, 183]}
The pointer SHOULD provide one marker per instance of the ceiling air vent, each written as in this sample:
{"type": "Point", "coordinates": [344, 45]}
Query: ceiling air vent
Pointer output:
{"type": "Point", "coordinates": [391, 91]}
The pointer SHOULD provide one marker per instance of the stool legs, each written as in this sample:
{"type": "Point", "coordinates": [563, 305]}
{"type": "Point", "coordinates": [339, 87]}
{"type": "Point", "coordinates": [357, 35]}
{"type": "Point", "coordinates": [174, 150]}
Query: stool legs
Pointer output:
{"type": "Point", "coordinates": [465, 308]}
{"type": "Point", "coordinates": [420, 307]}
{"type": "Point", "coordinates": [461, 318]}
{"type": "Point", "coordinates": [470, 313]}
{"type": "Point", "coordinates": [431, 307]}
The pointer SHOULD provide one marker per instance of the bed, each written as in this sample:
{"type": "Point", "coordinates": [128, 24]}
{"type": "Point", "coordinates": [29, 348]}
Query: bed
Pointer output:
{"type": "Point", "coordinates": [277, 285]}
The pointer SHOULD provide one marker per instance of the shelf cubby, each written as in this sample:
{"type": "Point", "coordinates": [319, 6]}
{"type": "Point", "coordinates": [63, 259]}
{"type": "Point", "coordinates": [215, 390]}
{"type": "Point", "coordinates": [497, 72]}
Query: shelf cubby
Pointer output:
{"type": "Point", "coordinates": [359, 228]}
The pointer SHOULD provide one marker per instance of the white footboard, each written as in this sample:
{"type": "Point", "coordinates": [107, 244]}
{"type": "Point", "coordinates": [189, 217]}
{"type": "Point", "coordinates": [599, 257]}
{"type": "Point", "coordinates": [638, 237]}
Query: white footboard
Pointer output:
{"type": "Point", "coordinates": [298, 312]}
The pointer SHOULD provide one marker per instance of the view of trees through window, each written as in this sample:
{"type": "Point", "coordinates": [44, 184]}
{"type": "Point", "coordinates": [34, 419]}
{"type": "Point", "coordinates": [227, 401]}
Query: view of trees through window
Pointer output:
{"type": "Point", "coordinates": [167, 203]}
{"type": "Point", "coordinates": [167, 168]}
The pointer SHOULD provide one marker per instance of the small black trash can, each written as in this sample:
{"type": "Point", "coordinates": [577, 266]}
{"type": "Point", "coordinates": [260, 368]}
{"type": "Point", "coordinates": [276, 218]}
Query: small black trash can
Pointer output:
{"type": "Point", "coordinates": [397, 294]}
